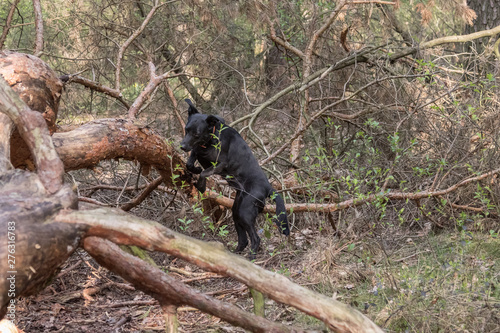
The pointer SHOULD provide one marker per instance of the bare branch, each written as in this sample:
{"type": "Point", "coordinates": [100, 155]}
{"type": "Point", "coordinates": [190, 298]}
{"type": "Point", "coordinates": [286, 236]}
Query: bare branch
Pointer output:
{"type": "Point", "coordinates": [95, 86]}
{"type": "Point", "coordinates": [313, 207]}
{"type": "Point", "coordinates": [33, 129]}
{"type": "Point", "coordinates": [163, 287]}
{"type": "Point", "coordinates": [153, 83]}
{"type": "Point", "coordinates": [172, 98]}
{"type": "Point", "coordinates": [460, 38]}
{"type": "Point", "coordinates": [8, 21]}
{"type": "Point", "coordinates": [143, 195]}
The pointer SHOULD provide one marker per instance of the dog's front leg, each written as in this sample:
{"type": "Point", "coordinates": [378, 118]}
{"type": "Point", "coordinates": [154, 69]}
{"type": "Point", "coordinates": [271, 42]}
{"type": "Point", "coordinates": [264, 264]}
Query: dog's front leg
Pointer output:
{"type": "Point", "coordinates": [212, 170]}
{"type": "Point", "coordinates": [190, 164]}
{"type": "Point", "coordinates": [201, 184]}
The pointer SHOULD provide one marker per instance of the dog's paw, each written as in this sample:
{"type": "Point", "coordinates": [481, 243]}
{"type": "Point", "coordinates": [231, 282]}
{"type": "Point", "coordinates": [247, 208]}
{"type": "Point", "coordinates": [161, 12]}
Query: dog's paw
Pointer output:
{"type": "Point", "coordinates": [201, 185]}
{"type": "Point", "coordinates": [193, 169]}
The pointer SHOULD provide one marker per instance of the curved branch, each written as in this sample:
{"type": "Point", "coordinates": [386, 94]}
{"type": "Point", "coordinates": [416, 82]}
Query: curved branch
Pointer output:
{"type": "Point", "coordinates": [129, 41]}
{"type": "Point", "coordinates": [460, 38]}
{"type": "Point", "coordinates": [154, 82]}
{"type": "Point", "coordinates": [165, 288]}
{"type": "Point", "coordinates": [33, 129]}
{"type": "Point", "coordinates": [332, 207]}
{"type": "Point", "coordinates": [95, 86]}
{"type": "Point", "coordinates": [122, 228]}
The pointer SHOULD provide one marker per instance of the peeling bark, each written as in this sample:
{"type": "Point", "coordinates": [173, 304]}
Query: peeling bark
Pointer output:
{"type": "Point", "coordinates": [38, 86]}
{"type": "Point", "coordinates": [87, 145]}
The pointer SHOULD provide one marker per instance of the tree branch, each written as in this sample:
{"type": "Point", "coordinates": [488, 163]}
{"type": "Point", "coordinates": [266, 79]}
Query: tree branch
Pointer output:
{"type": "Point", "coordinates": [143, 195]}
{"type": "Point", "coordinates": [33, 129]}
{"type": "Point", "coordinates": [8, 21]}
{"type": "Point", "coordinates": [460, 38]}
{"type": "Point", "coordinates": [102, 139]}
{"type": "Point", "coordinates": [154, 82]}
{"type": "Point", "coordinates": [123, 228]}
{"type": "Point", "coordinates": [165, 288]}
{"type": "Point", "coordinates": [313, 207]}
{"type": "Point", "coordinates": [95, 86]}
{"type": "Point", "coordinates": [129, 41]}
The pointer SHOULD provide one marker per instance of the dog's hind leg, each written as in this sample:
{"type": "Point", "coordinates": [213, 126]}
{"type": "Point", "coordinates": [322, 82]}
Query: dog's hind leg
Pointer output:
{"type": "Point", "coordinates": [247, 212]}
{"type": "Point", "coordinates": [240, 230]}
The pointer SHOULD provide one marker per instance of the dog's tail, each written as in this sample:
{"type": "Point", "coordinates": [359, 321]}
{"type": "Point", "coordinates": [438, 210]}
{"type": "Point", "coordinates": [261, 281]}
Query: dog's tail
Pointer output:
{"type": "Point", "coordinates": [281, 219]}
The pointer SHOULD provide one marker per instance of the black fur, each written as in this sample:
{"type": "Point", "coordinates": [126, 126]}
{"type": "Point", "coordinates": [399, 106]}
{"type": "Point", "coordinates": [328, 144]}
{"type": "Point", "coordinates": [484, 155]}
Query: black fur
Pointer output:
{"type": "Point", "coordinates": [221, 150]}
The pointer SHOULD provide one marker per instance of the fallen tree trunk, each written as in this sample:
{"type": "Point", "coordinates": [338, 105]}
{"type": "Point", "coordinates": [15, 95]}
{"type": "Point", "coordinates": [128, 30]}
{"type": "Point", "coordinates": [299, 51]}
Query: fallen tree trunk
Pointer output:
{"type": "Point", "coordinates": [103, 139]}
{"type": "Point", "coordinates": [32, 245]}
{"type": "Point", "coordinates": [166, 289]}
{"type": "Point", "coordinates": [122, 228]}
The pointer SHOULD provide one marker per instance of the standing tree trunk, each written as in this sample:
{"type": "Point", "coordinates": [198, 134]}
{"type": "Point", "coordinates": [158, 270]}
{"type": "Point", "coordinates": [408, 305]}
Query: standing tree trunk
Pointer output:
{"type": "Point", "coordinates": [488, 15]}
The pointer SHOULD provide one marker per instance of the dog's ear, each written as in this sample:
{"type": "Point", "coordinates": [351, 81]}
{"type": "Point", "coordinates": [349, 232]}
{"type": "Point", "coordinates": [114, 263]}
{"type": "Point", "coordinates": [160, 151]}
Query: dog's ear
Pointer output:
{"type": "Point", "coordinates": [192, 109]}
{"type": "Point", "coordinates": [212, 120]}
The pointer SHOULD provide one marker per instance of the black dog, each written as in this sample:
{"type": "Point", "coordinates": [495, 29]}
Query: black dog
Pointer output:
{"type": "Point", "coordinates": [221, 150]}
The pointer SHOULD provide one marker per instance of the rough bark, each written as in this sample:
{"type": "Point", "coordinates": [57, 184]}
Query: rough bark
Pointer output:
{"type": "Point", "coordinates": [87, 145]}
{"type": "Point", "coordinates": [38, 86]}
{"type": "Point", "coordinates": [33, 130]}
{"type": "Point", "coordinates": [32, 245]}
{"type": "Point", "coordinates": [488, 15]}
{"type": "Point", "coordinates": [8, 21]}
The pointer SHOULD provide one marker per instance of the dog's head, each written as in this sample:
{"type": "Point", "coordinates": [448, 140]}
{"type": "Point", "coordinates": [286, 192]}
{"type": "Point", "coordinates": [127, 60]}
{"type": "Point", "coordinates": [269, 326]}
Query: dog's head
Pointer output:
{"type": "Point", "coordinates": [199, 128]}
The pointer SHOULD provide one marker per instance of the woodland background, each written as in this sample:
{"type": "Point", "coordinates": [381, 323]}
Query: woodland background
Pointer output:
{"type": "Point", "coordinates": [385, 148]}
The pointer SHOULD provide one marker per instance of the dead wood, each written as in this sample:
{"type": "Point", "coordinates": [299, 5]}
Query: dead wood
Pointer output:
{"type": "Point", "coordinates": [87, 145]}
{"type": "Point", "coordinates": [95, 86]}
{"type": "Point", "coordinates": [125, 229]}
{"type": "Point", "coordinates": [33, 245]}
{"type": "Point", "coordinates": [166, 289]}
{"type": "Point", "coordinates": [38, 86]}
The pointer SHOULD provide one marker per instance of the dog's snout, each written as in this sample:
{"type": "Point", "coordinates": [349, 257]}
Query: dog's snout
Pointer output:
{"type": "Point", "coordinates": [184, 147]}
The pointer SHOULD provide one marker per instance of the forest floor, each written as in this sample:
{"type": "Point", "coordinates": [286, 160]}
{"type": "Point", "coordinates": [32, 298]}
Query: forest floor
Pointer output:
{"type": "Point", "coordinates": [412, 282]}
{"type": "Point", "coordinates": [407, 277]}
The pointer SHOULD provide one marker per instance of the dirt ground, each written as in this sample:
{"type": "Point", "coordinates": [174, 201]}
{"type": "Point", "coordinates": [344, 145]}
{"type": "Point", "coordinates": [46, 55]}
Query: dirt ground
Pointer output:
{"type": "Point", "coordinates": [88, 298]}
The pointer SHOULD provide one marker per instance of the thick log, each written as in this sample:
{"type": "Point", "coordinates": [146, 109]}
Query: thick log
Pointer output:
{"type": "Point", "coordinates": [125, 229]}
{"type": "Point", "coordinates": [166, 289]}
{"type": "Point", "coordinates": [32, 246]}
{"type": "Point", "coordinates": [87, 145]}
